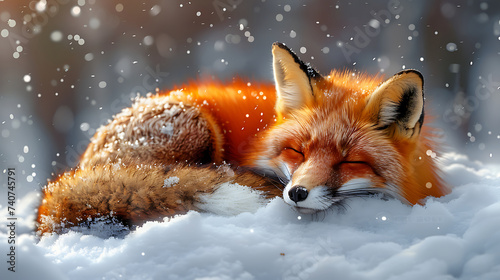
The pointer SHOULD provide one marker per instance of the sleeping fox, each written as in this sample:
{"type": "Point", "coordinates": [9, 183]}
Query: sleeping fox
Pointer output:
{"type": "Point", "coordinates": [228, 148]}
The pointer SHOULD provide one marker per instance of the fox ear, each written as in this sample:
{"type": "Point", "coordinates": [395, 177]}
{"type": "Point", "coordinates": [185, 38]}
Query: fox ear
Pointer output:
{"type": "Point", "coordinates": [293, 80]}
{"type": "Point", "coordinates": [399, 101]}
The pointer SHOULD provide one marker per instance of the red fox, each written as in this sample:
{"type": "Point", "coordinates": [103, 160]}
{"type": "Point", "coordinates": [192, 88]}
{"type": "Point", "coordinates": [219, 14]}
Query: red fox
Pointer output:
{"type": "Point", "coordinates": [228, 148]}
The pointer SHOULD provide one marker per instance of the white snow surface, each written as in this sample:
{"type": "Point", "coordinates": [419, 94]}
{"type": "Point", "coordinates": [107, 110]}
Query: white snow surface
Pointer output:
{"type": "Point", "coordinates": [453, 237]}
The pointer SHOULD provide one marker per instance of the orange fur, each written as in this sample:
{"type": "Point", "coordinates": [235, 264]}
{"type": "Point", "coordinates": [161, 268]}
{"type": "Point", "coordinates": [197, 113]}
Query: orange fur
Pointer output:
{"type": "Point", "coordinates": [240, 109]}
{"type": "Point", "coordinates": [326, 138]}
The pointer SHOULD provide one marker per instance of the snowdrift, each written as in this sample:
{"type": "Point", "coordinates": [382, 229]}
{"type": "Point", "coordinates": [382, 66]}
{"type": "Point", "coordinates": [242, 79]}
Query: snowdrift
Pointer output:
{"type": "Point", "coordinates": [453, 237]}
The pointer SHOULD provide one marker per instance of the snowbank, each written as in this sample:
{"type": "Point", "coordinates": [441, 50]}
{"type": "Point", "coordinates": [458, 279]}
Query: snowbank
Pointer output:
{"type": "Point", "coordinates": [454, 237]}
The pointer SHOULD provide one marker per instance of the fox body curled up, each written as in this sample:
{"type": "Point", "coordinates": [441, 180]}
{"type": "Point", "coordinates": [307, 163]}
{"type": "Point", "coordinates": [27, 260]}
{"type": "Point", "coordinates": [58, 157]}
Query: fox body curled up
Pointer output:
{"type": "Point", "coordinates": [325, 138]}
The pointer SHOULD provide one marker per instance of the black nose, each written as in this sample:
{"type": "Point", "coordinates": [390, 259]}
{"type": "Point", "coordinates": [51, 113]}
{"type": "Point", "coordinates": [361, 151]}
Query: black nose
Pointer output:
{"type": "Point", "coordinates": [298, 193]}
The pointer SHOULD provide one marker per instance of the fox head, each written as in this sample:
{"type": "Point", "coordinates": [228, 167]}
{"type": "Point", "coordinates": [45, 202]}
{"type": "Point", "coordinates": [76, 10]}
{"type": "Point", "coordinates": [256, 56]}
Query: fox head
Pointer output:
{"type": "Point", "coordinates": [345, 135]}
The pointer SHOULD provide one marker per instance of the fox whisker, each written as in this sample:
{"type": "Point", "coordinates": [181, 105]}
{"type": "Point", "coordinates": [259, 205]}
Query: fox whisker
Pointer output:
{"type": "Point", "coordinates": [276, 185]}
{"type": "Point", "coordinates": [285, 176]}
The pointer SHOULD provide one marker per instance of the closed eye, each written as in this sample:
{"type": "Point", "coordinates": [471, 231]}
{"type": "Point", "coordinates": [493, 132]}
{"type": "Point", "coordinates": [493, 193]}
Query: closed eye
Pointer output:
{"type": "Point", "coordinates": [357, 166]}
{"type": "Point", "coordinates": [292, 149]}
{"type": "Point", "coordinates": [354, 162]}
{"type": "Point", "coordinates": [292, 157]}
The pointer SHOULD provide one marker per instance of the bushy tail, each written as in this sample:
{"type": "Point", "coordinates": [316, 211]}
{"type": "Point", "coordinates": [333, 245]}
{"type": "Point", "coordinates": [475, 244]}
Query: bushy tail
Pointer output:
{"type": "Point", "coordinates": [133, 193]}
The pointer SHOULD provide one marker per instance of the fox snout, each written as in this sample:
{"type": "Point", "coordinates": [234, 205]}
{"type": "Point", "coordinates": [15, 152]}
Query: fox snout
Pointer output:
{"type": "Point", "coordinates": [323, 197]}
{"type": "Point", "coordinates": [318, 185]}
{"type": "Point", "coordinates": [307, 190]}
{"type": "Point", "coordinates": [308, 201]}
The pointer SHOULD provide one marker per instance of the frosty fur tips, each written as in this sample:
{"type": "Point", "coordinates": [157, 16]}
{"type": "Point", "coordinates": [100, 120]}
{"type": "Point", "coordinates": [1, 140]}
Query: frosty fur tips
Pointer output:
{"type": "Point", "coordinates": [315, 140]}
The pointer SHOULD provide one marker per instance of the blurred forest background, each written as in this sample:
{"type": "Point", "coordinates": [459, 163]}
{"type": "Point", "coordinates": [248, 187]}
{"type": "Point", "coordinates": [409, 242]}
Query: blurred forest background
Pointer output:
{"type": "Point", "coordinates": [66, 67]}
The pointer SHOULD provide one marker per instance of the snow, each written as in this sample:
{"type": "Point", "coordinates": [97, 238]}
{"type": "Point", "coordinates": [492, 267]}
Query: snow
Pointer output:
{"type": "Point", "coordinates": [453, 237]}
{"type": "Point", "coordinates": [168, 128]}
{"type": "Point", "coordinates": [170, 181]}
{"type": "Point", "coordinates": [48, 117]}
